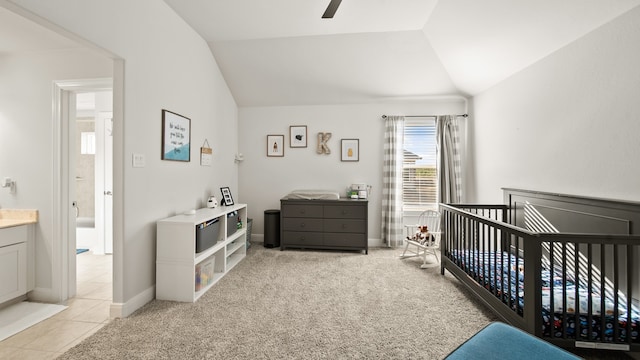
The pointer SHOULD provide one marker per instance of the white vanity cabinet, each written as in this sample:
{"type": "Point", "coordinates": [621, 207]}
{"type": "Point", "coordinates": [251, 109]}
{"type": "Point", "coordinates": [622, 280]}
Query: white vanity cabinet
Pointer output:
{"type": "Point", "coordinates": [183, 273]}
{"type": "Point", "coordinates": [16, 271]}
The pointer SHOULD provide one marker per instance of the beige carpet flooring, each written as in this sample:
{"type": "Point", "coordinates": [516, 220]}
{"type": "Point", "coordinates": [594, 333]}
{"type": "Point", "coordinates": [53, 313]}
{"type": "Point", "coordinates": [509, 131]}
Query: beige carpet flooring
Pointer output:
{"type": "Point", "coordinates": [303, 305]}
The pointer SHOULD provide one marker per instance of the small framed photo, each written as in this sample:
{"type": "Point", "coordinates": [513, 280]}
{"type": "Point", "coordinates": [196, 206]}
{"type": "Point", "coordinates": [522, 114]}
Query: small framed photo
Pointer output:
{"type": "Point", "coordinates": [176, 137]}
{"type": "Point", "coordinates": [227, 200]}
{"type": "Point", "coordinates": [275, 145]}
{"type": "Point", "coordinates": [298, 136]}
{"type": "Point", "coordinates": [350, 150]}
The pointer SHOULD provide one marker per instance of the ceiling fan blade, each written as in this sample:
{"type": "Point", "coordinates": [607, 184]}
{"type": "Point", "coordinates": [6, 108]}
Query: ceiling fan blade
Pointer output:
{"type": "Point", "coordinates": [331, 9]}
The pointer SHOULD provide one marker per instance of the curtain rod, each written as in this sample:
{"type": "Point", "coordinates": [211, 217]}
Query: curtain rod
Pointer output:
{"type": "Point", "coordinates": [435, 116]}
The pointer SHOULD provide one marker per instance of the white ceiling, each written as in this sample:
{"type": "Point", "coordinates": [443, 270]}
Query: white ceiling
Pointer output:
{"type": "Point", "coordinates": [19, 35]}
{"type": "Point", "coordinates": [280, 52]}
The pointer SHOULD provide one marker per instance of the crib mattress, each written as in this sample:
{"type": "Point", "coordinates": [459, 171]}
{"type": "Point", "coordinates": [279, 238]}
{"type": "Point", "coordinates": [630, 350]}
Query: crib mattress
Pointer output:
{"type": "Point", "coordinates": [503, 274]}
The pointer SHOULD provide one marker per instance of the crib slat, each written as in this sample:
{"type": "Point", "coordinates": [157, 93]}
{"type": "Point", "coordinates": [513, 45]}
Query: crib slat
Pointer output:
{"type": "Point", "coordinates": [603, 266]}
{"type": "Point", "coordinates": [616, 286]}
{"type": "Point", "coordinates": [590, 287]}
{"type": "Point", "coordinates": [630, 280]}
{"type": "Point", "coordinates": [576, 314]}
{"type": "Point", "coordinates": [564, 290]}
{"type": "Point", "coordinates": [552, 284]}
{"type": "Point", "coordinates": [495, 263]}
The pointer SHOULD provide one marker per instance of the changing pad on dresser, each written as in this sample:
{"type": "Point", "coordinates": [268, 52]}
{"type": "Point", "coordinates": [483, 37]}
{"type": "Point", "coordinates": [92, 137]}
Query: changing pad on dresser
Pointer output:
{"type": "Point", "coordinates": [314, 195]}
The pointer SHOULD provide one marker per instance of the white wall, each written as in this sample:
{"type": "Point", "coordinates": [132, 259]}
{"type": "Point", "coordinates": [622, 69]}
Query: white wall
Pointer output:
{"type": "Point", "coordinates": [26, 127]}
{"type": "Point", "coordinates": [567, 124]}
{"type": "Point", "coordinates": [166, 66]}
{"type": "Point", "coordinates": [264, 180]}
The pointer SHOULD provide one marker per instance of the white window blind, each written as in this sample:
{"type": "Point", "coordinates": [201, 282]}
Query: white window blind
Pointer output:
{"type": "Point", "coordinates": [419, 173]}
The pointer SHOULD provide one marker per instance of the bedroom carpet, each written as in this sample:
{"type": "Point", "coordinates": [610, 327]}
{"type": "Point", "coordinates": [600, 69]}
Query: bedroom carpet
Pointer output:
{"type": "Point", "coordinates": [303, 305]}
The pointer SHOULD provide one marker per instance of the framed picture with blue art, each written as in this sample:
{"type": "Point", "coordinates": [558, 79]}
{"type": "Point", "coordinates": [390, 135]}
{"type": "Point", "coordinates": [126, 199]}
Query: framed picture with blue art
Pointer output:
{"type": "Point", "coordinates": [176, 137]}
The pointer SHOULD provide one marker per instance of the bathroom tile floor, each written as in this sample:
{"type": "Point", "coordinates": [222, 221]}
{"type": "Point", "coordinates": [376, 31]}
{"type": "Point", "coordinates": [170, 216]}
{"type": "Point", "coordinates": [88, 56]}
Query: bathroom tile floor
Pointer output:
{"type": "Point", "coordinates": [87, 312]}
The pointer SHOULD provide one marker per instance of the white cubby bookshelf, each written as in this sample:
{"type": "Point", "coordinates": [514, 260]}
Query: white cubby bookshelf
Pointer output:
{"type": "Point", "coordinates": [176, 257]}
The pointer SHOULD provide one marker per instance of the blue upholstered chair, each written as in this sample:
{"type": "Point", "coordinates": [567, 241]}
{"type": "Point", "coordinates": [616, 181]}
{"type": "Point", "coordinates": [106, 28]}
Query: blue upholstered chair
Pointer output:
{"type": "Point", "coordinates": [501, 341]}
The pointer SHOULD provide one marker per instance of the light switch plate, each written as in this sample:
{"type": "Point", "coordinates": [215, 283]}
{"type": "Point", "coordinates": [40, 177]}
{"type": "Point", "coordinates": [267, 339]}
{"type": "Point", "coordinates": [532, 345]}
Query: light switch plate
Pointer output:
{"type": "Point", "coordinates": [138, 160]}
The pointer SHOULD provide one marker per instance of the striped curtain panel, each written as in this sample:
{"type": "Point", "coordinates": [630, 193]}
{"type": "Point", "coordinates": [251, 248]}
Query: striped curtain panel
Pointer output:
{"type": "Point", "coordinates": [392, 181]}
{"type": "Point", "coordinates": [449, 165]}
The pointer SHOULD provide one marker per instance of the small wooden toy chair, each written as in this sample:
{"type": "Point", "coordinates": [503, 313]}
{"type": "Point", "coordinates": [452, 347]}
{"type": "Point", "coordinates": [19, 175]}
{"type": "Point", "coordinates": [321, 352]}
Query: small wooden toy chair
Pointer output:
{"type": "Point", "coordinates": [423, 238]}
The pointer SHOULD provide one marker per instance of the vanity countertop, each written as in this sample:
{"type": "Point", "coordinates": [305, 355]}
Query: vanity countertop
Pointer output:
{"type": "Point", "coordinates": [16, 217]}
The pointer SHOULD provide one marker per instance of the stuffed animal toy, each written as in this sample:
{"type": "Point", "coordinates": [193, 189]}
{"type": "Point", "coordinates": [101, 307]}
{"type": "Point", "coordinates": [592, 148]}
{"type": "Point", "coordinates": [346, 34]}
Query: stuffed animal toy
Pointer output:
{"type": "Point", "coordinates": [422, 236]}
{"type": "Point", "coordinates": [425, 237]}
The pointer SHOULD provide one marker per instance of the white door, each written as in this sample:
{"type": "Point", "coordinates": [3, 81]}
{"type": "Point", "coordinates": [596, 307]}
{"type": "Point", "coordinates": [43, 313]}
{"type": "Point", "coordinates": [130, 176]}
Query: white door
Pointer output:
{"type": "Point", "coordinates": [107, 123]}
{"type": "Point", "coordinates": [104, 183]}
{"type": "Point", "coordinates": [69, 150]}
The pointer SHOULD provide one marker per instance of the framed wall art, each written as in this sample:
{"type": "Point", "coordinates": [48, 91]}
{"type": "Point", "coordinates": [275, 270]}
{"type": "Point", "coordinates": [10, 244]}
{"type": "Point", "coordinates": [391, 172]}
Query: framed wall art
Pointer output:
{"type": "Point", "coordinates": [176, 137]}
{"type": "Point", "coordinates": [350, 150]}
{"type": "Point", "coordinates": [298, 136]}
{"type": "Point", "coordinates": [227, 200]}
{"type": "Point", "coordinates": [275, 145]}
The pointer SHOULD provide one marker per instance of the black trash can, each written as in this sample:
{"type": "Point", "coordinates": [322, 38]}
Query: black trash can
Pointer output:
{"type": "Point", "coordinates": [271, 228]}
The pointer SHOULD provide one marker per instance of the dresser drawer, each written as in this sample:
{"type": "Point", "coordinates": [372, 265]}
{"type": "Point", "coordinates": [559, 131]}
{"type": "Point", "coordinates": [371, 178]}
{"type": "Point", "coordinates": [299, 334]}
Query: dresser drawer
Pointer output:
{"type": "Point", "coordinates": [345, 225]}
{"type": "Point", "coordinates": [295, 210]}
{"type": "Point", "coordinates": [301, 238]}
{"type": "Point", "coordinates": [301, 224]}
{"type": "Point", "coordinates": [345, 240]}
{"type": "Point", "coordinates": [345, 212]}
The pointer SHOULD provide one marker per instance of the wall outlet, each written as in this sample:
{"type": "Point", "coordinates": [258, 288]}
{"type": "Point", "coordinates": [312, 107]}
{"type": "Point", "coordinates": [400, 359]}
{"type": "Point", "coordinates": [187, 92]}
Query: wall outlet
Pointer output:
{"type": "Point", "coordinates": [138, 160]}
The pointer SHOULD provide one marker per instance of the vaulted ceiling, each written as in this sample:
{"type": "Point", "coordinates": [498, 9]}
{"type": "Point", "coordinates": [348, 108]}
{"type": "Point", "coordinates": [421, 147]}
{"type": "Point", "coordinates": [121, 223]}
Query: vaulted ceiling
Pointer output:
{"type": "Point", "coordinates": [281, 52]}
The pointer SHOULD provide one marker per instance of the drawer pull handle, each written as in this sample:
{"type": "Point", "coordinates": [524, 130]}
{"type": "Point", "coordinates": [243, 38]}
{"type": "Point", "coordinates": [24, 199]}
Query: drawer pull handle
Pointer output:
{"type": "Point", "coordinates": [302, 225]}
{"type": "Point", "coordinates": [344, 226]}
{"type": "Point", "coordinates": [344, 212]}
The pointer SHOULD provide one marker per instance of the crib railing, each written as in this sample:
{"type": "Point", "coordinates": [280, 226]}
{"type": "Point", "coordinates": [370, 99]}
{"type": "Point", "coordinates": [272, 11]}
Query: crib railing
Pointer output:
{"type": "Point", "coordinates": [474, 235]}
{"type": "Point", "coordinates": [476, 239]}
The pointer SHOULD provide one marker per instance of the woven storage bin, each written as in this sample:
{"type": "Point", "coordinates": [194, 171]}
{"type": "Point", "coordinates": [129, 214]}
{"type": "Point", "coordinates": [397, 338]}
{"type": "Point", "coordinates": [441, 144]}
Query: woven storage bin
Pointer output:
{"type": "Point", "coordinates": [249, 223]}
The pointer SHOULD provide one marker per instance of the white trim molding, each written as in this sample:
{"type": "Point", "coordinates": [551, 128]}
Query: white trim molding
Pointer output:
{"type": "Point", "coordinates": [121, 310]}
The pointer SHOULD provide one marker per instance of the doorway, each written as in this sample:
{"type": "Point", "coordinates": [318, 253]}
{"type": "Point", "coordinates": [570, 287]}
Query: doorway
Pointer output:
{"type": "Point", "coordinates": [94, 172]}
{"type": "Point", "coordinates": [85, 128]}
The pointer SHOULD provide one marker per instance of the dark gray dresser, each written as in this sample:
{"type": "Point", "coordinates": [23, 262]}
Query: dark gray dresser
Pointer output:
{"type": "Point", "coordinates": [324, 224]}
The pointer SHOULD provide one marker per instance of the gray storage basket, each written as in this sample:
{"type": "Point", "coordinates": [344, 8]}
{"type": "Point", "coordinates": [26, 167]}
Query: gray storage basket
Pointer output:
{"type": "Point", "coordinates": [249, 223]}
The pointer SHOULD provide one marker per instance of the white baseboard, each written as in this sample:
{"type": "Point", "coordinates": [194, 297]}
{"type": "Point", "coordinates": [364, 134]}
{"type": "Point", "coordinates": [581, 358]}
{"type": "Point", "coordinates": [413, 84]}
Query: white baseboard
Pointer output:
{"type": "Point", "coordinates": [122, 310]}
{"type": "Point", "coordinates": [373, 243]}
{"type": "Point", "coordinates": [44, 295]}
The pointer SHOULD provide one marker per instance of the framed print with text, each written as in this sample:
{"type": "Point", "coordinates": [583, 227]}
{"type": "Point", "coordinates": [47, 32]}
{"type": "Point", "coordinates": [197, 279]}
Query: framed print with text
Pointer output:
{"type": "Point", "coordinates": [176, 137]}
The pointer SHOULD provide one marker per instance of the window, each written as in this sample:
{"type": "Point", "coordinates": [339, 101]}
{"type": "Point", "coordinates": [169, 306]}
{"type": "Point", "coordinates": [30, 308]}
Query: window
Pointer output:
{"type": "Point", "coordinates": [419, 173]}
{"type": "Point", "coordinates": [88, 143]}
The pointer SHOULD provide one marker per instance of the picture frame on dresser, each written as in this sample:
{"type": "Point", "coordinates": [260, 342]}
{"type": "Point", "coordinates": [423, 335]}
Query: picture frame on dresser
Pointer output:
{"type": "Point", "coordinates": [227, 199]}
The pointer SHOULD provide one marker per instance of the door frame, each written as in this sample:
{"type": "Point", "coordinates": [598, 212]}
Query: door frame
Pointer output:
{"type": "Point", "coordinates": [63, 274]}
